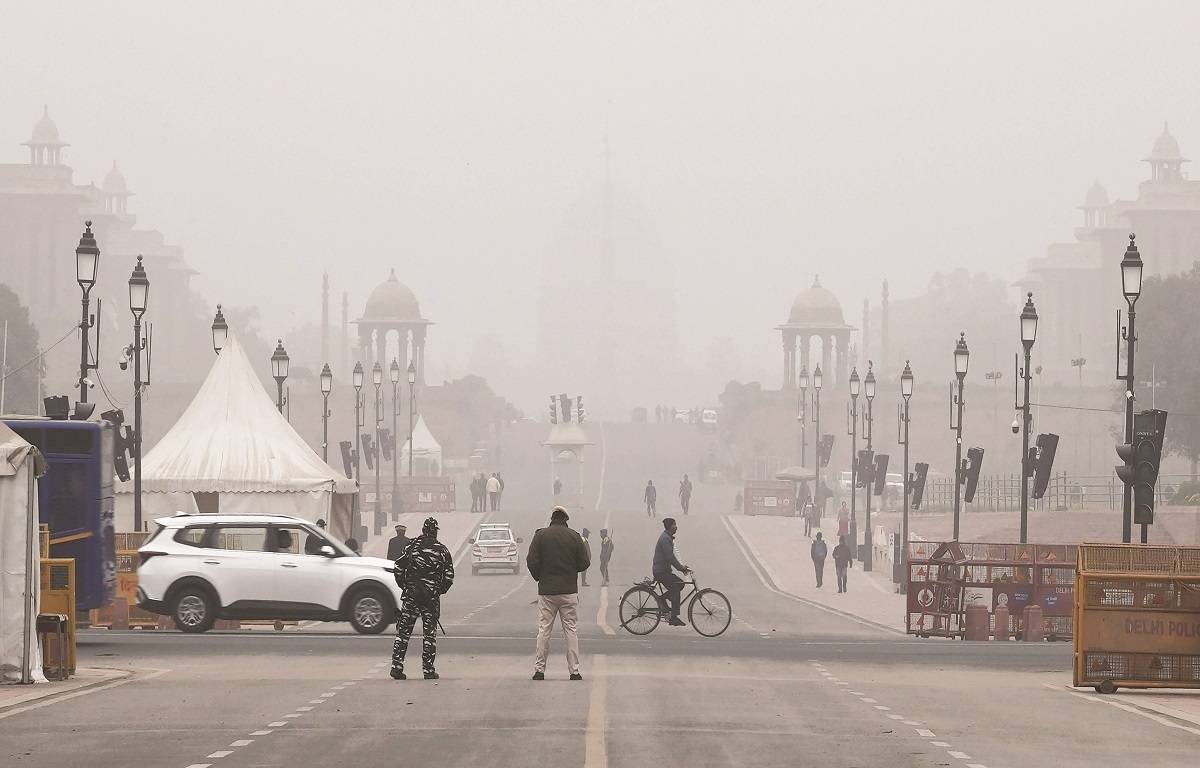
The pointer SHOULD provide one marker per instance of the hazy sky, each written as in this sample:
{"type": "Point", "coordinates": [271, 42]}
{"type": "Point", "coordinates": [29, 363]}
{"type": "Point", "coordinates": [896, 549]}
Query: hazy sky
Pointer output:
{"type": "Point", "coordinates": [765, 141]}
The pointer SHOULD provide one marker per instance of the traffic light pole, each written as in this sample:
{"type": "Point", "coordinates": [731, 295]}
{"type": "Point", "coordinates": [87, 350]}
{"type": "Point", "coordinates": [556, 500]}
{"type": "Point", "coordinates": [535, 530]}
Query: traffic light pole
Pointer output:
{"type": "Point", "coordinates": [869, 431]}
{"type": "Point", "coordinates": [853, 475]}
{"type": "Point", "coordinates": [958, 473]}
{"type": "Point", "coordinates": [817, 453]}
{"type": "Point", "coordinates": [1026, 419]}
{"type": "Point", "coordinates": [1127, 508]}
{"type": "Point", "coordinates": [904, 501]}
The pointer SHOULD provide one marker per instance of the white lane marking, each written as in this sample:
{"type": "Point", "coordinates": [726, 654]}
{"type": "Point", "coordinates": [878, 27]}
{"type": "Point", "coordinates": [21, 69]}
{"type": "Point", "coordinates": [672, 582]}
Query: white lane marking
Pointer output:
{"type": "Point", "coordinates": [82, 692]}
{"type": "Point", "coordinates": [317, 701]}
{"type": "Point", "coordinates": [221, 753]}
{"type": "Point", "coordinates": [895, 717]}
{"type": "Point", "coordinates": [242, 743]}
{"type": "Point", "coordinates": [349, 682]}
{"type": "Point", "coordinates": [940, 743]}
{"type": "Point", "coordinates": [277, 724]}
{"type": "Point", "coordinates": [882, 708]}
{"type": "Point", "coordinates": [328, 694]}
{"type": "Point", "coordinates": [959, 755]}
{"type": "Point", "coordinates": [925, 733]}
{"type": "Point", "coordinates": [294, 714]}
{"type": "Point", "coordinates": [200, 765]}
{"type": "Point", "coordinates": [261, 733]}
{"type": "Point", "coordinates": [1127, 708]}
{"type": "Point", "coordinates": [758, 567]}
{"type": "Point", "coordinates": [912, 722]}
{"type": "Point", "coordinates": [856, 693]}
{"type": "Point", "coordinates": [868, 700]}
{"type": "Point", "coordinates": [842, 682]}
{"type": "Point", "coordinates": [304, 709]}
{"type": "Point", "coordinates": [602, 613]}
{"type": "Point", "coordinates": [595, 741]}
{"type": "Point", "coordinates": [976, 765]}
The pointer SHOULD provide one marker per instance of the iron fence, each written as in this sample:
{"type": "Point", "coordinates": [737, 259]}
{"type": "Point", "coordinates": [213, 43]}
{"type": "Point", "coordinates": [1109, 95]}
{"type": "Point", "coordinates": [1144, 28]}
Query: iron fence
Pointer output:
{"type": "Point", "coordinates": [1064, 492]}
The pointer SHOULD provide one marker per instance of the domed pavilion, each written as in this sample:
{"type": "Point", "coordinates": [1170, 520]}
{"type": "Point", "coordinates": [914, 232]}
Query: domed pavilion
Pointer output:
{"type": "Point", "coordinates": [392, 307]}
{"type": "Point", "coordinates": [816, 314]}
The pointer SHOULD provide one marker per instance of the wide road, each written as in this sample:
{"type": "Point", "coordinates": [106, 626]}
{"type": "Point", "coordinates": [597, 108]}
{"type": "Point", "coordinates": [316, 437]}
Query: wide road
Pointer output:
{"type": "Point", "coordinates": [787, 685]}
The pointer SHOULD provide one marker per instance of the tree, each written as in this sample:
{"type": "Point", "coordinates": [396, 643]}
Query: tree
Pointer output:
{"type": "Point", "coordinates": [25, 366]}
{"type": "Point", "coordinates": [1168, 314]}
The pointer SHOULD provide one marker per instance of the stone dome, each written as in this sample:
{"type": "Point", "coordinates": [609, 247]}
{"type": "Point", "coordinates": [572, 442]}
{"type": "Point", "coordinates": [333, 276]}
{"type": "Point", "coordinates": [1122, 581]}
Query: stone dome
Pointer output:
{"type": "Point", "coordinates": [392, 301]}
{"type": "Point", "coordinates": [1166, 147]}
{"type": "Point", "coordinates": [1097, 196]}
{"type": "Point", "coordinates": [45, 131]}
{"type": "Point", "coordinates": [114, 182]}
{"type": "Point", "coordinates": [817, 306]}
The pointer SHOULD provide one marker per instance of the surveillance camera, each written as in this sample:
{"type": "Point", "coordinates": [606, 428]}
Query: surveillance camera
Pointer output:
{"type": "Point", "coordinates": [1016, 427]}
{"type": "Point", "coordinates": [89, 382]}
{"type": "Point", "coordinates": [124, 365]}
{"type": "Point", "coordinates": [1128, 394]}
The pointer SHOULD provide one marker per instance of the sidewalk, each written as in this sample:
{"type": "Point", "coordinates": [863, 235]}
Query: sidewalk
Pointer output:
{"type": "Point", "coordinates": [781, 550]}
{"type": "Point", "coordinates": [13, 696]}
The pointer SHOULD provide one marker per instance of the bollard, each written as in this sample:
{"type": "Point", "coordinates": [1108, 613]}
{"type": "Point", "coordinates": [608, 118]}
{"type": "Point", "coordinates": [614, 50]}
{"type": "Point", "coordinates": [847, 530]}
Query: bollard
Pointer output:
{"type": "Point", "coordinates": [120, 613]}
{"type": "Point", "coordinates": [1001, 631]}
{"type": "Point", "coordinates": [1034, 631]}
{"type": "Point", "coordinates": [977, 623]}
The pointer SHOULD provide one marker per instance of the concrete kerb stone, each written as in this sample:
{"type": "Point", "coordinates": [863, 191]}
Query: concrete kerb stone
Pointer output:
{"type": "Point", "coordinates": [14, 695]}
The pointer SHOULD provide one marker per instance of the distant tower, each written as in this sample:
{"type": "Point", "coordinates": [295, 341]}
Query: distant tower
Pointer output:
{"type": "Point", "coordinates": [45, 147]}
{"type": "Point", "coordinates": [866, 336]}
{"type": "Point", "coordinates": [883, 342]}
{"type": "Point", "coordinates": [116, 192]}
{"type": "Point", "coordinates": [1166, 161]}
{"type": "Point", "coordinates": [1095, 206]}
{"type": "Point", "coordinates": [325, 318]}
{"type": "Point", "coordinates": [344, 339]}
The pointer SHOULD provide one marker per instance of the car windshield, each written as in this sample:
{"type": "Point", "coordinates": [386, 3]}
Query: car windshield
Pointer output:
{"type": "Point", "coordinates": [494, 534]}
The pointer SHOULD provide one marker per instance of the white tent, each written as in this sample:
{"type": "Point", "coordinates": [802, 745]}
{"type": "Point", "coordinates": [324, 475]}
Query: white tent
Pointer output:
{"type": "Point", "coordinates": [20, 464]}
{"type": "Point", "coordinates": [233, 452]}
{"type": "Point", "coordinates": [427, 451]}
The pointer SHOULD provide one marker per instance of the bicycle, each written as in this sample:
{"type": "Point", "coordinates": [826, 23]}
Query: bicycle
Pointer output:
{"type": "Point", "coordinates": [645, 605]}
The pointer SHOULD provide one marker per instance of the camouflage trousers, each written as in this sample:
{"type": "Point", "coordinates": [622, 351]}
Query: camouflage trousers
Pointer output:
{"type": "Point", "coordinates": [409, 611]}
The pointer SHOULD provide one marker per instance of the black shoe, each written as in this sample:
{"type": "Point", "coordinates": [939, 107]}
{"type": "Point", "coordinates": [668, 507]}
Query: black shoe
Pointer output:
{"type": "Point", "coordinates": [398, 674]}
{"type": "Point", "coordinates": [576, 676]}
{"type": "Point", "coordinates": [431, 675]}
{"type": "Point", "coordinates": [539, 675]}
{"type": "Point", "coordinates": [677, 623]}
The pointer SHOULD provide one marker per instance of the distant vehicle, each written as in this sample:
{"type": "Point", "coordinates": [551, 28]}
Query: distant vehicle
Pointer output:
{"type": "Point", "coordinates": [495, 547]}
{"type": "Point", "coordinates": [895, 482]}
{"type": "Point", "coordinates": [198, 568]}
{"type": "Point", "coordinates": [682, 416]}
{"type": "Point", "coordinates": [708, 420]}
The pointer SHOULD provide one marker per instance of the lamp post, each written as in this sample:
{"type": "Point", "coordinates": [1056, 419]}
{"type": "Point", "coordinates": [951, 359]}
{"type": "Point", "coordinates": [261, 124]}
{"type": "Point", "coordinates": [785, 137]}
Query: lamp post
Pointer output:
{"type": "Point", "coordinates": [852, 420]}
{"type": "Point", "coordinates": [412, 412]}
{"type": "Point", "coordinates": [869, 431]}
{"type": "Point", "coordinates": [394, 373]}
{"type": "Point", "coordinates": [357, 380]}
{"type": "Point", "coordinates": [279, 371]}
{"type": "Point", "coordinates": [1029, 323]}
{"type": "Point", "coordinates": [377, 380]}
{"type": "Point", "coordinates": [326, 388]}
{"type": "Point", "coordinates": [1079, 362]}
{"type": "Point", "coordinates": [906, 390]}
{"type": "Point", "coordinates": [962, 358]}
{"type": "Point", "coordinates": [139, 295]}
{"type": "Point", "coordinates": [802, 417]}
{"type": "Point", "coordinates": [220, 331]}
{"type": "Point", "coordinates": [87, 263]}
{"type": "Point", "coordinates": [1131, 287]}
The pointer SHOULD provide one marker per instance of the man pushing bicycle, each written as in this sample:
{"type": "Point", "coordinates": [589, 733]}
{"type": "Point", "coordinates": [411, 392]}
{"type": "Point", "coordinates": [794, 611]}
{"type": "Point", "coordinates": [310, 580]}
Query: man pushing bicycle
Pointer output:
{"type": "Point", "coordinates": [664, 562]}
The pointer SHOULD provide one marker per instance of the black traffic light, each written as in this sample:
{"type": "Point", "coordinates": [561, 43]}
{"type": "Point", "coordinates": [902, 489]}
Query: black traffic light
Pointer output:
{"type": "Point", "coordinates": [553, 409]}
{"type": "Point", "coordinates": [825, 449]}
{"type": "Point", "coordinates": [881, 464]}
{"type": "Point", "coordinates": [580, 414]}
{"type": "Point", "coordinates": [368, 451]}
{"type": "Point", "coordinates": [917, 488]}
{"type": "Point", "coordinates": [974, 462]}
{"type": "Point", "coordinates": [123, 439]}
{"type": "Point", "coordinates": [385, 443]}
{"type": "Point", "coordinates": [347, 457]}
{"type": "Point", "coordinates": [866, 461]}
{"type": "Point", "coordinates": [1149, 429]}
{"type": "Point", "coordinates": [1042, 462]}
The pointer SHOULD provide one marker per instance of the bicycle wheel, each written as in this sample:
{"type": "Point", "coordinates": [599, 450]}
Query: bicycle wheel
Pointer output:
{"type": "Point", "coordinates": [640, 610]}
{"type": "Point", "coordinates": [710, 612]}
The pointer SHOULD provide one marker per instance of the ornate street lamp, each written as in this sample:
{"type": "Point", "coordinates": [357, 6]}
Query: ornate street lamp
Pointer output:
{"type": "Point", "coordinates": [87, 264]}
{"type": "Point", "coordinates": [852, 430]}
{"type": "Point", "coordinates": [869, 431]}
{"type": "Point", "coordinates": [962, 360]}
{"type": "Point", "coordinates": [394, 375]}
{"type": "Point", "coordinates": [220, 331]}
{"type": "Point", "coordinates": [279, 371]}
{"type": "Point", "coordinates": [139, 297]}
{"type": "Point", "coordinates": [1029, 323]}
{"type": "Point", "coordinates": [356, 379]}
{"type": "Point", "coordinates": [326, 388]}
{"type": "Point", "coordinates": [802, 417]}
{"type": "Point", "coordinates": [906, 391]}
{"type": "Point", "coordinates": [1131, 287]}
{"type": "Point", "coordinates": [377, 380]}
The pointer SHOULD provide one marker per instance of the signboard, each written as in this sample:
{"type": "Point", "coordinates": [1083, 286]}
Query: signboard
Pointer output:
{"type": "Point", "coordinates": [768, 497]}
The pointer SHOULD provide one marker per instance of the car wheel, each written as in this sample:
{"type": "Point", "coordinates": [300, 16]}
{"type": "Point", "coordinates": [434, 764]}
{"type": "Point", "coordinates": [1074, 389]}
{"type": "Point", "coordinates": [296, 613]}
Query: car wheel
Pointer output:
{"type": "Point", "coordinates": [369, 611]}
{"type": "Point", "coordinates": [195, 610]}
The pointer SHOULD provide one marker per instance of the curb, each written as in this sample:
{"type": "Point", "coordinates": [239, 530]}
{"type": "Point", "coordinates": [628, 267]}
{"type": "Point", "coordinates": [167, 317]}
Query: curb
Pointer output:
{"type": "Point", "coordinates": [51, 696]}
{"type": "Point", "coordinates": [758, 564]}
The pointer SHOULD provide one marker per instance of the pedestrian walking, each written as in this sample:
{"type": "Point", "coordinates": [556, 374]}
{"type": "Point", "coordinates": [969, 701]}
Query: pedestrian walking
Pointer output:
{"type": "Point", "coordinates": [425, 572]}
{"type": "Point", "coordinates": [557, 555]}
{"type": "Point", "coordinates": [843, 522]}
{"type": "Point", "coordinates": [651, 496]}
{"type": "Point", "coordinates": [803, 499]}
{"type": "Point", "coordinates": [397, 543]}
{"type": "Point", "coordinates": [841, 563]}
{"type": "Point", "coordinates": [685, 493]}
{"type": "Point", "coordinates": [557, 487]}
{"type": "Point", "coordinates": [475, 492]}
{"type": "Point", "coordinates": [819, 551]}
{"type": "Point", "coordinates": [584, 533]}
{"type": "Point", "coordinates": [500, 493]}
{"type": "Point", "coordinates": [493, 491]}
{"type": "Point", "coordinates": [606, 550]}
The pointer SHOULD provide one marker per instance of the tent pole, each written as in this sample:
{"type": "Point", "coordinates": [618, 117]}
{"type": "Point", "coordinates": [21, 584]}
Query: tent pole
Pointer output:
{"type": "Point", "coordinates": [30, 597]}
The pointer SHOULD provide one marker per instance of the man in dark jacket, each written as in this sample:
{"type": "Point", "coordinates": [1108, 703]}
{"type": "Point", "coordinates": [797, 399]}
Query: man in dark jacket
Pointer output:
{"type": "Point", "coordinates": [424, 571]}
{"type": "Point", "coordinates": [664, 561]}
{"type": "Point", "coordinates": [397, 543]}
{"type": "Point", "coordinates": [841, 562]}
{"type": "Point", "coordinates": [819, 551]}
{"type": "Point", "coordinates": [557, 555]}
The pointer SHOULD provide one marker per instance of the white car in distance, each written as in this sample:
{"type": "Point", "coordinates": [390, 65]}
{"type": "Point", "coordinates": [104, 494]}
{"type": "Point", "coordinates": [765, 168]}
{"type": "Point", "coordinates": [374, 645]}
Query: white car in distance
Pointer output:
{"type": "Point", "coordinates": [495, 547]}
{"type": "Point", "coordinates": [198, 568]}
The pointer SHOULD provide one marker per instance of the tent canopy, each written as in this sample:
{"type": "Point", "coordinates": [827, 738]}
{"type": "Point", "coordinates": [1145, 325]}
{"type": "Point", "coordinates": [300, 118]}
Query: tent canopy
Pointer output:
{"type": "Point", "coordinates": [231, 439]}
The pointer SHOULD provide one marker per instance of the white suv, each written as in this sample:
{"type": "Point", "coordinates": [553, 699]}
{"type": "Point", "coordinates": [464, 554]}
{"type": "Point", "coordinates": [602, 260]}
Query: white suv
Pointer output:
{"type": "Point", "coordinates": [495, 547]}
{"type": "Point", "coordinates": [198, 568]}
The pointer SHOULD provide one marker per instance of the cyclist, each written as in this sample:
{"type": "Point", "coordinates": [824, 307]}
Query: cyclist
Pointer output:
{"type": "Point", "coordinates": [664, 562]}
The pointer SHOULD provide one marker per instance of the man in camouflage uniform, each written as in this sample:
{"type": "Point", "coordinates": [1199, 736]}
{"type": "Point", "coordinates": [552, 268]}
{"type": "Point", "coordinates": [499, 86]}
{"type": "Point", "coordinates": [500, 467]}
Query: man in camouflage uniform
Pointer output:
{"type": "Point", "coordinates": [424, 572]}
